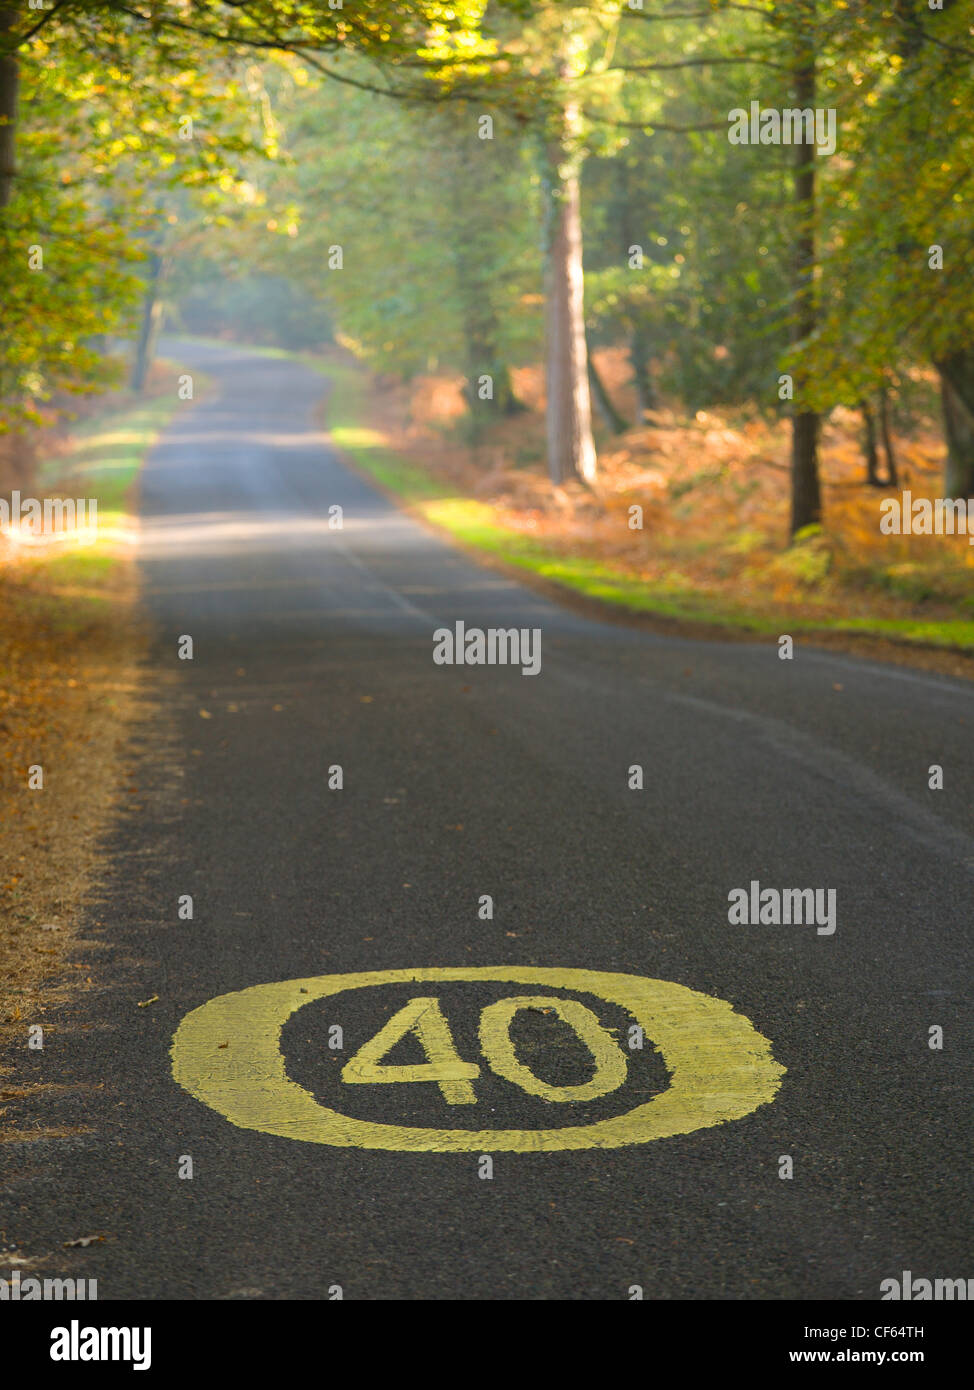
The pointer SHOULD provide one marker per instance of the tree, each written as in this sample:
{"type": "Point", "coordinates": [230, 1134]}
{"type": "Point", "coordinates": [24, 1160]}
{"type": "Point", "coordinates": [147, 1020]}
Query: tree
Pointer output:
{"type": "Point", "coordinates": [103, 137]}
{"type": "Point", "coordinates": [896, 272]}
{"type": "Point", "coordinates": [99, 158]}
{"type": "Point", "coordinates": [782, 40]}
{"type": "Point", "coordinates": [426, 253]}
{"type": "Point", "coordinates": [806, 497]}
{"type": "Point", "coordinates": [9, 87]}
{"type": "Point", "coordinates": [571, 446]}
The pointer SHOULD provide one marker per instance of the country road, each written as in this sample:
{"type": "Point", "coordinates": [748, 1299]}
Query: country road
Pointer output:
{"type": "Point", "coordinates": [313, 650]}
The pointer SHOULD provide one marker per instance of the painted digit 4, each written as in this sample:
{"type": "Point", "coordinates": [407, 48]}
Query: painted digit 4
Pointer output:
{"type": "Point", "coordinates": [424, 1018]}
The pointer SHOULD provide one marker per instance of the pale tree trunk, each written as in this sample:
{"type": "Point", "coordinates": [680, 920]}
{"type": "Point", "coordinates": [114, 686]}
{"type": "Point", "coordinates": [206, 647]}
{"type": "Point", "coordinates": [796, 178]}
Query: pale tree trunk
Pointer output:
{"type": "Point", "coordinates": [571, 447]}
{"type": "Point", "coordinates": [806, 497]}
{"type": "Point", "coordinates": [957, 395]}
{"type": "Point", "coordinates": [9, 84]}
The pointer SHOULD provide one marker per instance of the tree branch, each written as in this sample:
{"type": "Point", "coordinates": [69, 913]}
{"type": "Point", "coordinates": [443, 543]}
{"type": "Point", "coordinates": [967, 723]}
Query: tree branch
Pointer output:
{"type": "Point", "coordinates": [654, 125]}
{"type": "Point", "coordinates": [48, 15]}
{"type": "Point", "coordinates": [704, 62]}
{"type": "Point", "coordinates": [709, 13]}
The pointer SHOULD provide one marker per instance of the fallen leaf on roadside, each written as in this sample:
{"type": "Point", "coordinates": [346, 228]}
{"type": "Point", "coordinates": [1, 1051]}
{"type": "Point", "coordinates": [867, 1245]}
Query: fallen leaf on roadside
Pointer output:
{"type": "Point", "coordinates": [144, 1002]}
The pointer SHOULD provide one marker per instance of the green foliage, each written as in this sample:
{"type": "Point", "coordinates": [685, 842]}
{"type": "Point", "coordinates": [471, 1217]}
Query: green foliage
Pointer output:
{"type": "Point", "coordinates": [899, 186]}
{"type": "Point", "coordinates": [292, 154]}
{"type": "Point", "coordinates": [808, 560]}
{"type": "Point", "coordinates": [101, 162]}
{"type": "Point", "coordinates": [436, 228]}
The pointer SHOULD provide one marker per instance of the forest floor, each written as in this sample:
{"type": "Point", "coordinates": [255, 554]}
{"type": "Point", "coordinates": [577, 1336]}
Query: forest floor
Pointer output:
{"type": "Point", "coordinates": [70, 642]}
{"type": "Point", "coordinates": [712, 556]}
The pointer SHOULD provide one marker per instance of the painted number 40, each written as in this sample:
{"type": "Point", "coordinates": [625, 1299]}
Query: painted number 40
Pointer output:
{"type": "Point", "coordinates": [425, 1020]}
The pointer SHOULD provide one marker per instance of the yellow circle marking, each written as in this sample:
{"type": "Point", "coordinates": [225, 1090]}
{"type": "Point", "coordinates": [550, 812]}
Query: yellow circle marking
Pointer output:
{"type": "Point", "coordinates": [227, 1054]}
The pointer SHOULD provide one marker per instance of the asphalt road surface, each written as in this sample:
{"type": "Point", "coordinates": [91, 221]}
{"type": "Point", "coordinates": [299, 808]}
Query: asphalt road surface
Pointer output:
{"type": "Point", "coordinates": [313, 649]}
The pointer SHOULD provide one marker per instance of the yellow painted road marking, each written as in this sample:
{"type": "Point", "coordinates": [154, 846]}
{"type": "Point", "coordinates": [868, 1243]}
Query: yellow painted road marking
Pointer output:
{"type": "Point", "coordinates": [227, 1053]}
{"type": "Point", "coordinates": [424, 1019]}
{"type": "Point", "coordinates": [495, 1039]}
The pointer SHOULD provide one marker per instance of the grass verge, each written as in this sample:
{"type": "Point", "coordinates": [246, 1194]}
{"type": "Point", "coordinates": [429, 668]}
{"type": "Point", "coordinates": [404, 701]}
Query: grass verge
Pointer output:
{"type": "Point", "coordinates": [70, 644]}
{"type": "Point", "coordinates": [673, 602]}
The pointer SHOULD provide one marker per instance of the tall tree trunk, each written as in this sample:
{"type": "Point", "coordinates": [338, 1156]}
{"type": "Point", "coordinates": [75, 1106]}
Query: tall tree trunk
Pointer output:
{"type": "Point", "coordinates": [892, 472]}
{"type": "Point", "coordinates": [869, 445]}
{"type": "Point", "coordinates": [639, 357]}
{"type": "Point", "coordinates": [481, 329]}
{"type": "Point", "coordinates": [806, 497]}
{"type": "Point", "coordinates": [482, 361]}
{"type": "Point", "coordinates": [603, 400]}
{"type": "Point", "coordinates": [482, 357]}
{"type": "Point", "coordinates": [510, 402]}
{"type": "Point", "coordinates": [9, 85]}
{"type": "Point", "coordinates": [571, 448]}
{"type": "Point", "coordinates": [621, 211]}
{"type": "Point", "coordinates": [145, 347]}
{"type": "Point", "coordinates": [957, 396]}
